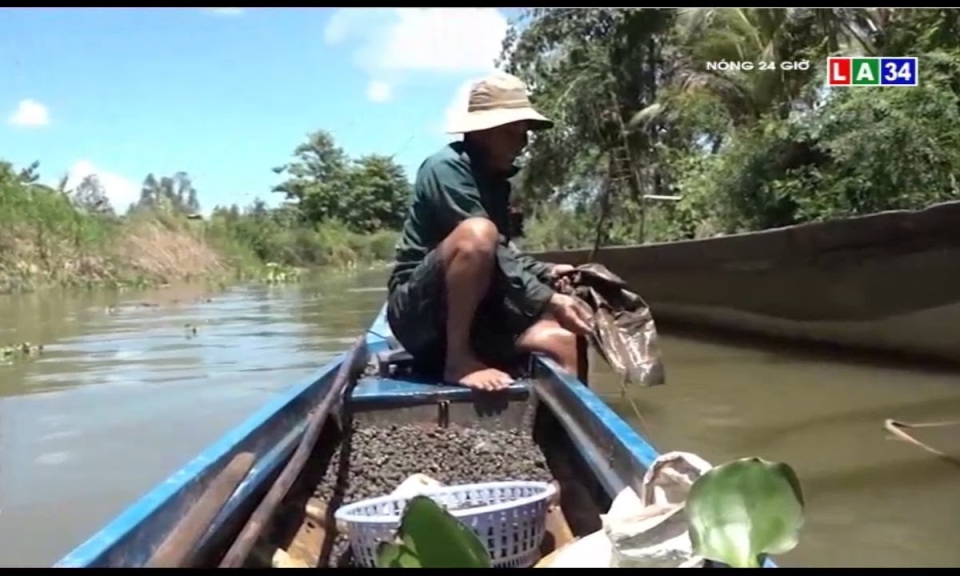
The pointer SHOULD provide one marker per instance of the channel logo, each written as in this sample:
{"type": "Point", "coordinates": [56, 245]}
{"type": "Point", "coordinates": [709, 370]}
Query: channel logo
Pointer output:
{"type": "Point", "coordinates": [872, 71]}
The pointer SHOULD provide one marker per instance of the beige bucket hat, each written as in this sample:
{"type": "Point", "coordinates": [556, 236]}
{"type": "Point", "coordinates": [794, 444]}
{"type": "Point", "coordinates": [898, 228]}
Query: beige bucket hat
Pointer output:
{"type": "Point", "coordinates": [494, 101]}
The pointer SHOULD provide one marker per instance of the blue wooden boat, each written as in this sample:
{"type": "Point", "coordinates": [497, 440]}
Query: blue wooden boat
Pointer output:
{"type": "Point", "coordinates": [602, 454]}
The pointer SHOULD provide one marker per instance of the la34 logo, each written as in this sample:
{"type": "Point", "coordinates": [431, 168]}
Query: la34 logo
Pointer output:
{"type": "Point", "coordinates": [873, 71]}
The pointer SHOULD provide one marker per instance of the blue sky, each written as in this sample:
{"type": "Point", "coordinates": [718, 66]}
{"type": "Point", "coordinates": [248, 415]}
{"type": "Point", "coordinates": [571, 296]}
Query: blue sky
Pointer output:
{"type": "Point", "coordinates": [225, 94]}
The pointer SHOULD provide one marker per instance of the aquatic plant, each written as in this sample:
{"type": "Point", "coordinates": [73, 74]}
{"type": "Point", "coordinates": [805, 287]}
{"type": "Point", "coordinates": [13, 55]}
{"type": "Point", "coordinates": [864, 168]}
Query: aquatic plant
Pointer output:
{"type": "Point", "coordinates": [275, 273]}
{"type": "Point", "coordinates": [743, 510]}
{"type": "Point", "coordinates": [22, 350]}
{"type": "Point", "coordinates": [431, 537]}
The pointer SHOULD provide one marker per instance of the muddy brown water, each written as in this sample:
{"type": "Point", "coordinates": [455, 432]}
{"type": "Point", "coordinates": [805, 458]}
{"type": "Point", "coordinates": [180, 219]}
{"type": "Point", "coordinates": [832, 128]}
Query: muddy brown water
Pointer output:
{"type": "Point", "coordinates": [126, 392]}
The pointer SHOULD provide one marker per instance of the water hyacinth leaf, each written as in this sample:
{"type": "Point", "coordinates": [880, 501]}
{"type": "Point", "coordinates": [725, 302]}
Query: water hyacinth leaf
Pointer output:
{"type": "Point", "coordinates": [744, 509]}
{"type": "Point", "coordinates": [441, 540]}
{"type": "Point", "coordinates": [432, 538]}
{"type": "Point", "coordinates": [401, 553]}
{"type": "Point", "coordinates": [396, 555]}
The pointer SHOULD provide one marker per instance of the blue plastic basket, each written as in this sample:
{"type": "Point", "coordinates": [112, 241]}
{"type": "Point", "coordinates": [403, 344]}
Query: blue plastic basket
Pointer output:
{"type": "Point", "coordinates": [508, 517]}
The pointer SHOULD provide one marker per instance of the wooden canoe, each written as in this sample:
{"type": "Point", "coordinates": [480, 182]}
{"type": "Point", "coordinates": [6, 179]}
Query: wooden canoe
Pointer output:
{"type": "Point", "coordinates": [885, 284]}
{"type": "Point", "coordinates": [591, 451]}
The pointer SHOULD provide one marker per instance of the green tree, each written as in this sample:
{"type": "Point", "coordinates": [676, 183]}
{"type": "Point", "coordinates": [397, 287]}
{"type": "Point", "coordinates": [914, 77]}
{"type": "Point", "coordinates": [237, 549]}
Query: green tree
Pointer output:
{"type": "Point", "coordinates": [379, 193]}
{"type": "Point", "coordinates": [366, 195]}
{"type": "Point", "coordinates": [90, 196]}
{"type": "Point", "coordinates": [170, 194]}
{"type": "Point", "coordinates": [316, 178]}
{"type": "Point", "coordinates": [743, 149]}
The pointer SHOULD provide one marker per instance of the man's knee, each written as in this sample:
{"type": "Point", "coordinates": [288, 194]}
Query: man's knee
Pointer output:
{"type": "Point", "coordinates": [562, 341]}
{"type": "Point", "coordinates": [563, 347]}
{"type": "Point", "coordinates": [549, 337]}
{"type": "Point", "coordinates": [556, 342]}
{"type": "Point", "coordinates": [475, 237]}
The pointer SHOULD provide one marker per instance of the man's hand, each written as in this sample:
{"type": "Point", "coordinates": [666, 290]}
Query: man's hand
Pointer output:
{"type": "Point", "coordinates": [571, 313]}
{"type": "Point", "coordinates": [558, 276]}
{"type": "Point", "coordinates": [559, 270]}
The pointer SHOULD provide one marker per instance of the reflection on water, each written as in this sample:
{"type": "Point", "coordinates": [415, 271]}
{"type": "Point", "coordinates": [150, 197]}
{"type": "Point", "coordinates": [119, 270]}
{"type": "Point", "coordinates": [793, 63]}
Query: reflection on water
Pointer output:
{"type": "Point", "coordinates": [126, 392]}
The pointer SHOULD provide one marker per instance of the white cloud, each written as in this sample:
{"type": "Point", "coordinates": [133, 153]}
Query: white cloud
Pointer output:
{"type": "Point", "coordinates": [445, 39]}
{"type": "Point", "coordinates": [379, 91]}
{"type": "Point", "coordinates": [225, 11]}
{"type": "Point", "coordinates": [29, 112]}
{"type": "Point", "coordinates": [120, 191]}
{"type": "Point", "coordinates": [394, 41]}
{"type": "Point", "coordinates": [345, 23]}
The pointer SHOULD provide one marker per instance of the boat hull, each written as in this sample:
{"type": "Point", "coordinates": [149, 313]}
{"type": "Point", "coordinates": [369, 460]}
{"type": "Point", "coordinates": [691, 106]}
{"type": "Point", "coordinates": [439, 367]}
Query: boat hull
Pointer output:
{"type": "Point", "coordinates": [609, 452]}
{"type": "Point", "coordinates": [885, 283]}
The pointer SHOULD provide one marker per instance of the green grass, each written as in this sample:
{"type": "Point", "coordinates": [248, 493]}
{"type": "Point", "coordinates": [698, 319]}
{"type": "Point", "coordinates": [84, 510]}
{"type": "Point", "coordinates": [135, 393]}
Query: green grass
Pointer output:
{"type": "Point", "coordinates": [46, 240]}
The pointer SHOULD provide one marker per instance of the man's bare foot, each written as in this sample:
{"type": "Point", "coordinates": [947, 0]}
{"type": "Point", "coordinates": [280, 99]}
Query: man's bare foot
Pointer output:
{"type": "Point", "coordinates": [474, 374]}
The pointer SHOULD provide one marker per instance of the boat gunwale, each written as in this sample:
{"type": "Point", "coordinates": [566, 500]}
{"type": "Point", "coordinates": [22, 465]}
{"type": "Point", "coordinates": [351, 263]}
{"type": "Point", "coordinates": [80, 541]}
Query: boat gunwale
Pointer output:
{"type": "Point", "coordinates": [791, 243]}
{"type": "Point", "coordinates": [598, 432]}
{"type": "Point", "coordinates": [99, 547]}
{"type": "Point", "coordinates": [209, 462]}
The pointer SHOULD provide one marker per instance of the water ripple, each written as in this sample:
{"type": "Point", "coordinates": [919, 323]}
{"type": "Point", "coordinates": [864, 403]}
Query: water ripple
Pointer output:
{"type": "Point", "coordinates": [125, 393]}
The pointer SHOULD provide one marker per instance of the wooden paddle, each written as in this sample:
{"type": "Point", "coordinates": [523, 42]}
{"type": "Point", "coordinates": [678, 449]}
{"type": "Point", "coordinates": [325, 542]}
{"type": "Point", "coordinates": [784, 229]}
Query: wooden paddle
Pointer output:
{"type": "Point", "coordinates": [176, 550]}
{"type": "Point", "coordinates": [350, 368]}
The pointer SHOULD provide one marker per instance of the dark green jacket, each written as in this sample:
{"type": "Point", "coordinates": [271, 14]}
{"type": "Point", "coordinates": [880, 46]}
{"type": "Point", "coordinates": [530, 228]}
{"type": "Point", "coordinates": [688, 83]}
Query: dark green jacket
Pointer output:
{"type": "Point", "coordinates": [451, 187]}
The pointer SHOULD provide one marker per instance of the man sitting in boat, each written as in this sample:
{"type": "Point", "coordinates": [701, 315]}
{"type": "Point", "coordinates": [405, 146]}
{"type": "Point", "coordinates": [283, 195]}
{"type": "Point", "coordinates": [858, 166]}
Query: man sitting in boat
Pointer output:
{"type": "Point", "coordinates": [462, 299]}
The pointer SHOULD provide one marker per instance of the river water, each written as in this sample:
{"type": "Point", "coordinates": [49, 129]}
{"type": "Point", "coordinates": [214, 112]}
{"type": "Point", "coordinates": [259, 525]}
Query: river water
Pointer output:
{"type": "Point", "coordinates": [130, 387]}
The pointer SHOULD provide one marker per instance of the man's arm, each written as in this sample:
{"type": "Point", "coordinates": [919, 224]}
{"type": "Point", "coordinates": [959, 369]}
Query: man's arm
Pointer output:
{"type": "Point", "coordinates": [455, 189]}
{"type": "Point", "coordinates": [539, 269]}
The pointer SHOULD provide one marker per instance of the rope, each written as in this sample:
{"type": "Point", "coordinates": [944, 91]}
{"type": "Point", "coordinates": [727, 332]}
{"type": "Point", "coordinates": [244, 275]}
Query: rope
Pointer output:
{"type": "Point", "coordinates": [633, 404]}
{"type": "Point", "coordinates": [896, 428]}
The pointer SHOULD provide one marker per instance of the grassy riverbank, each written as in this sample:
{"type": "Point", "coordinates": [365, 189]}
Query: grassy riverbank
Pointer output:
{"type": "Point", "coordinates": [340, 213]}
{"type": "Point", "coordinates": [53, 237]}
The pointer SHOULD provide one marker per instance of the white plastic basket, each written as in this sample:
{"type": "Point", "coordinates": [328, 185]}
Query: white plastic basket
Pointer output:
{"type": "Point", "coordinates": [508, 517]}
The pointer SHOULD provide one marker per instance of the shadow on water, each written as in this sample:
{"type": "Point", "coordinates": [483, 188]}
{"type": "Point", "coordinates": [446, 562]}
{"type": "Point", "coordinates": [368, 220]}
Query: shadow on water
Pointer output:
{"type": "Point", "coordinates": [811, 350]}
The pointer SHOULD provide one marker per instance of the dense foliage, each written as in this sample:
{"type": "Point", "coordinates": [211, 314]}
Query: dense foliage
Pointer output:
{"type": "Point", "coordinates": [742, 149]}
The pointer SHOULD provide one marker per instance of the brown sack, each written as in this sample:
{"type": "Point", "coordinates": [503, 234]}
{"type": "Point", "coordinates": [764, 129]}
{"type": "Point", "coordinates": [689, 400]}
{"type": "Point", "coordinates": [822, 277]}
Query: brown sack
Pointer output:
{"type": "Point", "coordinates": [624, 332]}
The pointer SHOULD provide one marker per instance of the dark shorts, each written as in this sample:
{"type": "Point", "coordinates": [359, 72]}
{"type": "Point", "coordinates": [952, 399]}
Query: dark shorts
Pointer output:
{"type": "Point", "coordinates": [417, 313]}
